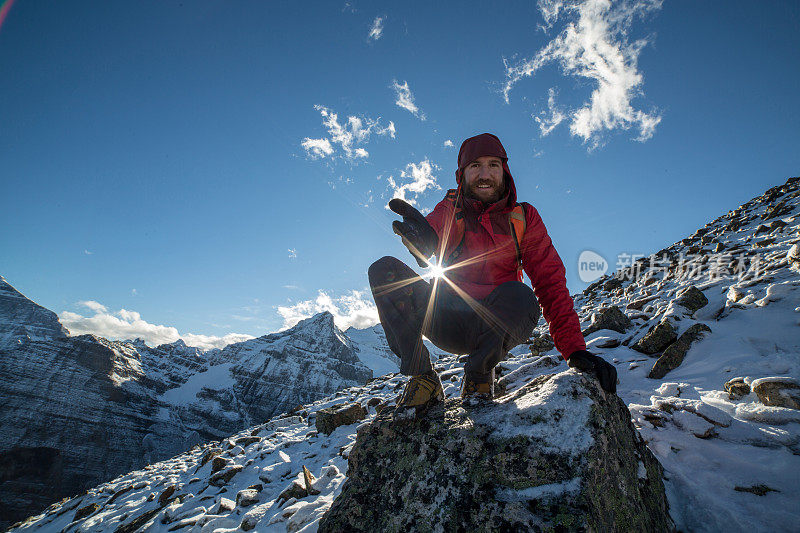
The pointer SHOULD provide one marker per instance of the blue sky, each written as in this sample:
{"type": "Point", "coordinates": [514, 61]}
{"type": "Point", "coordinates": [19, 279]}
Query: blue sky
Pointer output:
{"type": "Point", "coordinates": [165, 171]}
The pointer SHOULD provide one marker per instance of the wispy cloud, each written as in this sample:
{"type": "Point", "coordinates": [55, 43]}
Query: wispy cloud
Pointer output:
{"type": "Point", "coordinates": [551, 118]}
{"type": "Point", "coordinates": [354, 309]}
{"type": "Point", "coordinates": [133, 292]}
{"type": "Point", "coordinates": [125, 324]}
{"type": "Point", "coordinates": [292, 253]}
{"type": "Point", "coordinates": [349, 137]}
{"type": "Point", "coordinates": [376, 30]}
{"type": "Point", "coordinates": [593, 45]}
{"type": "Point", "coordinates": [449, 144]}
{"type": "Point", "coordinates": [405, 99]}
{"type": "Point", "coordinates": [87, 252]}
{"type": "Point", "coordinates": [419, 178]}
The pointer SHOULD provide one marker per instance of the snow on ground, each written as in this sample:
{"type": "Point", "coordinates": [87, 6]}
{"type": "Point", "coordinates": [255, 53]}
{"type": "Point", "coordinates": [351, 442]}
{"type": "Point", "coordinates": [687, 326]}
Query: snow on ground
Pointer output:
{"type": "Point", "coordinates": [730, 464]}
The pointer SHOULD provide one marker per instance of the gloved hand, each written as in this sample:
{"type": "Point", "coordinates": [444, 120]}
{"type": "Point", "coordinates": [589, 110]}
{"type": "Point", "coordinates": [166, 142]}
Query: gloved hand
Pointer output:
{"type": "Point", "coordinates": [418, 235]}
{"type": "Point", "coordinates": [587, 362]}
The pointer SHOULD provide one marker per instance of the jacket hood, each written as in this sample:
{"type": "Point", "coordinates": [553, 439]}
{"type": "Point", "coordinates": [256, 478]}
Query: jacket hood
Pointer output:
{"type": "Point", "coordinates": [479, 146]}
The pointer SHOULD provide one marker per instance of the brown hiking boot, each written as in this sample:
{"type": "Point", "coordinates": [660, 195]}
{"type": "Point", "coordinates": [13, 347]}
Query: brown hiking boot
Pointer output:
{"type": "Point", "coordinates": [476, 394]}
{"type": "Point", "coordinates": [420, 393]}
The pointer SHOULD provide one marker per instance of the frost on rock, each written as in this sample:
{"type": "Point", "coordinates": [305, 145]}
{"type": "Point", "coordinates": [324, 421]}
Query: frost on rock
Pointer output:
{"type": "Point", "coordinates": [556, 453]}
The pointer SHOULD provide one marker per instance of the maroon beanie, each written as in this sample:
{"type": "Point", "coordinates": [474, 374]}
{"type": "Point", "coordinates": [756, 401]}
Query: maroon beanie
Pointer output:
{"type": "Point", "coordinates": [479, 146]}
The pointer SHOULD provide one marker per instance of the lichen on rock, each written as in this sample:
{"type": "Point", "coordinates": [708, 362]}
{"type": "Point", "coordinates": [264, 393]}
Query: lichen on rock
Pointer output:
{"type": "Point", "coordinates": [556, 454]}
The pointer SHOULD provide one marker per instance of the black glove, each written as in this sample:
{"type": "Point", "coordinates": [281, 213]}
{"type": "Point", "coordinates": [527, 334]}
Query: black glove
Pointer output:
{"type": "Point", "coordinates": [418, 236]}
{"type": "Point", "coordinates": [587, 362]}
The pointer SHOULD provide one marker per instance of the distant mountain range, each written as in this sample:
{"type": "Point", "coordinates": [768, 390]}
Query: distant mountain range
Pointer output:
{"type": "Point", "coordinates": [81, 410]}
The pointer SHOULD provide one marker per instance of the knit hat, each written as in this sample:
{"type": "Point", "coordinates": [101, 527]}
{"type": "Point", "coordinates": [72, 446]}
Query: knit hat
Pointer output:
{"type": "Point", "coordinates": [481, 145]}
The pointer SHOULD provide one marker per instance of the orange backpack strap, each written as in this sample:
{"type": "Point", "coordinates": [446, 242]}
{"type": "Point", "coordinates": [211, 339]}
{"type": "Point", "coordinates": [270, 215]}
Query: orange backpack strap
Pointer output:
{"type": "Point", "coordinates": [516, 219]}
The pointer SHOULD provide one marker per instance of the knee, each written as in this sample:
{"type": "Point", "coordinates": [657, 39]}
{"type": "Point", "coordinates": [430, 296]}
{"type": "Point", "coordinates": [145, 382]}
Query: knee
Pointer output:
{"type": "Point", "coordinates": [521, 298]}
{"type": "Point", "coordinates": [381, 267]}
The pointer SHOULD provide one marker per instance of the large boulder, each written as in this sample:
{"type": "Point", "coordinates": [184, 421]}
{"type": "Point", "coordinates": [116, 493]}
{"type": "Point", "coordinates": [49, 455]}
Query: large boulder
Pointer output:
{"type": "Point", "coordinates": [657, 338]}
{"type": "Point", "coordinates": [556, 454]}
{"type": "Point", "coordinates": [675, 352]}
{"type": "Point", "coordinates": [609, 318]}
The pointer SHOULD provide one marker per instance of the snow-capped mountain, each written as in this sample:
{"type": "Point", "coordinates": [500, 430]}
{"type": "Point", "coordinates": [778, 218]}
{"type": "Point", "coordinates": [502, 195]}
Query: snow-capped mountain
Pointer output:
{"type": "Point", "coordinates": [705, 342]}
{"type": "Point", "coordinates": [84, 409]}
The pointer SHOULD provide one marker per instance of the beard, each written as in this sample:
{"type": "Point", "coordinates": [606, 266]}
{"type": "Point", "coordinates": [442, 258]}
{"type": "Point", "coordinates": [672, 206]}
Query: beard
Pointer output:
{"type": "Point", "coordinates": [474, 193]}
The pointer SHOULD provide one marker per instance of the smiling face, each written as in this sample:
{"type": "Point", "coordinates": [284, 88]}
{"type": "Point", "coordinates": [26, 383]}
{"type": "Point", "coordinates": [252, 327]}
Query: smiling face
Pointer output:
{"type": "Point", "coordinates": [483, 179]}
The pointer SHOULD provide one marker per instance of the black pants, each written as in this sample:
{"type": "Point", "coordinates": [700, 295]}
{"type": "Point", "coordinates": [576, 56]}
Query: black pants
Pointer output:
{"type": "Point", "coordinates": [485, 330]}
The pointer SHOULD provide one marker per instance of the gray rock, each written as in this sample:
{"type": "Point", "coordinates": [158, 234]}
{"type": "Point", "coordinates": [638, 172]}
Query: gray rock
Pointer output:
{"type": "Point", "coordinates": [778, 392]}
{"type": "Point", "coordinates": [657, 338]}
{"type": "Point", "coordinates": [609, 318]}
{"type": "Point", "coordinates": [224, 476]}
{"type": "Point", "coordinates": [246, 497]}
{"type": "Point", "coordinates": [675, 352]}
{"type": "Point", "coordinates": [541, 344]}
{"type": "Point", "coordinates": [506, 467]}
{"type": "Point", "coordinates": [737, 388]}
{"type": "Point", "coordinates": [332, 417]}
{"type": "Point", "coordinates": [226, 505]}
{"type": "Point", "coordinates": [692, 299]}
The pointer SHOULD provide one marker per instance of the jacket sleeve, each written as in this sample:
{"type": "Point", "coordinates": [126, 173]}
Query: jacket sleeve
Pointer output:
{"type": "Point", "coordinates": [548, 277]}
{"type": "Point", "coordinates": [438, 217]}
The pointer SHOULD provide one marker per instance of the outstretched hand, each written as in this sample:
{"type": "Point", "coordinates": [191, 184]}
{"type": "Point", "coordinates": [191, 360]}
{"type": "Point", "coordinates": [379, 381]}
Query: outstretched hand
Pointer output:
{"type": "Point", "coordinates": [415, 231]}
{"type": "Point", "coordinates": [588, 362]}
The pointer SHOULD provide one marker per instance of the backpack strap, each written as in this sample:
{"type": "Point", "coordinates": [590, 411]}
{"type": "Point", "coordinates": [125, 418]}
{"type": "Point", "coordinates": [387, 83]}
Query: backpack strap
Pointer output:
{"type": "Point", "coordinates": [455, 244]}
{"type": "Point", "coordinates": [516, 220]}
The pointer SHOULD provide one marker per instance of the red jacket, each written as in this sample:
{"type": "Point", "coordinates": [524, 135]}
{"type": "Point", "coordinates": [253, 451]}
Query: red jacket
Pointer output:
{"type": "Point", "coordinates": [489, 259]}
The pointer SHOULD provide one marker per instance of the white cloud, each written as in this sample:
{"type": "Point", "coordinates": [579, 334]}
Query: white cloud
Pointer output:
{"type": "Point", "coordinates": [87, 252]}
{"type": "Point", "coordinates": [125, 324]}
{"type": "Point", "coordinates": [97, 307]}
{"type": "Point", "coordinates": [551, 118]}
{"type": "Point", "coordinates": [405, 99]}
{"type": "Point", "coordinates": [348, 137]}
{"type": "Point", "coordinates": [376, 30]}
{"type": "Point", "coordinates": [355, 309]}
{"type": "Point", "coordinates": [133, 292]}
{"type": "Point", "coordinates": [317, 148]}
{"type": "Point", "coordinates": [422, 179]}
{"type": "Point", "coordinates": [292, 253]}
{"type": "Point", "coordinates": [594, 45]}
{"type": "Point", "coordinates": [449, 144]}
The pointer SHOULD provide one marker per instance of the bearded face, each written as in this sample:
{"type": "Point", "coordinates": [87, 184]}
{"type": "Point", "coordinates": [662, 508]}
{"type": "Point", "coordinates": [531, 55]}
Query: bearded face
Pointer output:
{"type": "Point", "coordinates": [483, 179]}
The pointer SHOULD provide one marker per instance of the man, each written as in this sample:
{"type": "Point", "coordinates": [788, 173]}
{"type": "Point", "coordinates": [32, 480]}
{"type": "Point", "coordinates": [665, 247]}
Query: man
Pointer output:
{"type": "Point", "coordinates": [479, 306]}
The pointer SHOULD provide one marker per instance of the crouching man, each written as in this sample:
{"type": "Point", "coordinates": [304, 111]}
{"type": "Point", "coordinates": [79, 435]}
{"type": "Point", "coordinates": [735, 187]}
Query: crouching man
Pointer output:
{"type": "Point", "coordinates": [483, 240]}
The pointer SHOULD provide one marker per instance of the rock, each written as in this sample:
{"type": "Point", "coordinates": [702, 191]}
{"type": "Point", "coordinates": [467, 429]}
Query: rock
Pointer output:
{"type": "Point", "coordinates": [692, 299]}
{"type": "Point", "coordinates": [372, 402]}
{"type": "Point", "coordinates": [331, 418]}
{"type": "Point", "coordinates": [613, 283]}
{"type": "Point", "coordinates": [226, 505]}
{"type": "Point", "coordinates": [608, 343]}
{"type": "Point", "coordinates": [793, 256]}
{"type": "Point", "coordinates": [609, 318]}
{"type": "Point", "coordinates": [246, 497]}
{"type": "Point", "coordinates": [308, 479]}
{"type": "Point", "coordinates": [218, 463]}
{"type": "Point", "coordinates": [85, 511]}
{"type": "Point", "coordinates": [675, 352]}
{"type": "Point", "coordinates": [637, 305]}
{"type": "Point", "coordinates": [778, 210]}
{"type": "Point", "coordinates": [758, 490]}
{"type": "Point", "coordinates": [737, 388]}
{"type": "Point", "coordinates": [224, 476]}
{"type": "Point", "coordinates": [165, 496]}
{"type": "Point", "coordinates": [657, 338]}
{"type": "Point", "coordinates": [294, 490]}
{"type": "Point", "coordinates": [778, 391]}
{"type": "Point", "coordinates": [541, 344]}
{"type": "Point", "coordinates": [556, 454]}
{"type": "Point", "coordinates": [244, 442]}
{"type": "Point", "coordinates": [209, 455]}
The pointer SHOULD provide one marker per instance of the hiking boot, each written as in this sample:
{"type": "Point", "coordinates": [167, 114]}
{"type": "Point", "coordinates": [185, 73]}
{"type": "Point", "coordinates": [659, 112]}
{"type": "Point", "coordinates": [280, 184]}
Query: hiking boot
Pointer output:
{"type": "Point", "coordinates": [420, 393]}
{"type": "Point", "coordinates": [476, 394]}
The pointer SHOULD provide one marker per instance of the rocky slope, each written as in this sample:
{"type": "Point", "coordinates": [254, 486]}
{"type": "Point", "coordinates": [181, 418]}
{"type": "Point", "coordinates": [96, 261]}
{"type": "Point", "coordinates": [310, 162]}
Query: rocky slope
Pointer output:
{"type": "Point", "coordinates": [723, 419]}
{"type": "Point", "coordinates": [80, 410]}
